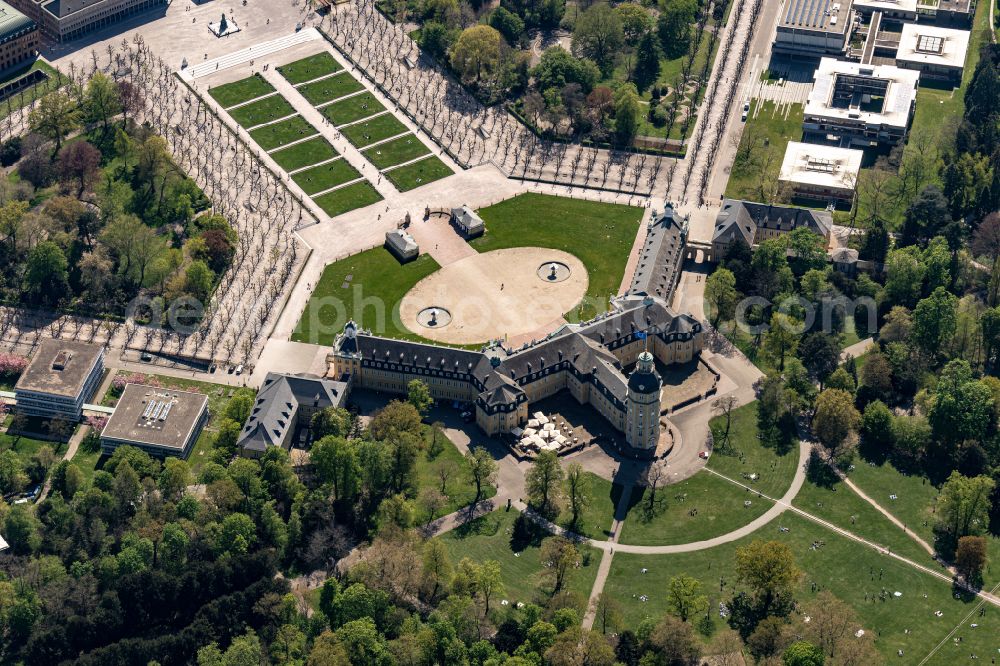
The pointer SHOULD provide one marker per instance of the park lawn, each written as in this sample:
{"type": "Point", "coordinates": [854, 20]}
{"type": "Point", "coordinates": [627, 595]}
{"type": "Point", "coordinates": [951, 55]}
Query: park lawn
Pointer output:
{"type": "Point", "coordinates": [762, 148]}
{"type": "Point", "coordinates": [304, 154]}
{"type": "Point", "coordinates": [348, 198]}
{"type": "Point", "coordinates": [323, 177]}
{"type": "Point", "coordinates": [459, 488]}
{"type": "Point", "coordinates": [746, 455]}
{"type": "Point", "coordinates": [25, 447]}
{"type": "Point", "coordinates": [374, 274]}
{"type": "Point", "coordinates": [280, 134]}
{"type": "Point", "coordinates": [596, 518]}
{"type": "Point", "coordinates": [699, 508]}
{"type": "Point", "coordinates": [841, 506]}
{"type": "Point", "coordinates": [396, 151]}
{"type": "Point", "coordinates": [846, 568]}
{"type": "Point", "coordinates": [373, 130]}
{"type": "Point", "coordinates": [489, 538]}
{"type": "Point", "coordinates": [915, 495]}
{"type": "Point", "coordinates": [89, 462]}
{"type": "Point", "coordinates": [599, 234]}
{"type": "Point", "coordinates": [352, 109]}
{"type": "Point", "coordinates": [244, 90]}
{"type": "Point", "coordinates": [262, 111]}
{"type": "Point", "coordinates": [329, 89]}
{"type": "Point", "coordinates": [414, 175]}
{"type": "Point", "coordinates": [310, 68]}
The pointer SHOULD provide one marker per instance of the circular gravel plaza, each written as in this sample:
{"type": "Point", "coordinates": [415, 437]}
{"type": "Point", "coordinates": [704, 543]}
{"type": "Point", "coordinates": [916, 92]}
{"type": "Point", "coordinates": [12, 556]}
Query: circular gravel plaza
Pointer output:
{"type": "Point", "coordinates": [496, 294]}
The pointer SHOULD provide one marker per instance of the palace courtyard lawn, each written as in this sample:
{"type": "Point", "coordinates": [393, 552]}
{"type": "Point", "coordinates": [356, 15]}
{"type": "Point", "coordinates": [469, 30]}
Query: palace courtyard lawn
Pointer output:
{"type": "Point", "coordinates": [343, 199]}
{"type": "Point", "coordinates": [414, 175]}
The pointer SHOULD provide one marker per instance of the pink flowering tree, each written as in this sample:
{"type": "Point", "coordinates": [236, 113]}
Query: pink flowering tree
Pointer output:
{"type": "Point", "coordinates": [121, 380]}
{"type": "Point", "coordinates": [97, 423]}
{"type": "Point", "coordinates": [12, 365]}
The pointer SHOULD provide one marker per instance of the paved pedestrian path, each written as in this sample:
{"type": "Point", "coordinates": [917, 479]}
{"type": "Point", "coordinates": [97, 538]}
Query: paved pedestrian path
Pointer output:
{"type": "Point", "coordinates": [250, 53]}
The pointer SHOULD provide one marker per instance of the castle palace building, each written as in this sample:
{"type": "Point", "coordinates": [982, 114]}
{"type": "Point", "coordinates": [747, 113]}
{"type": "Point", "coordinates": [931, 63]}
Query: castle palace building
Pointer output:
{"type": "Point", "coordinates": [586, 359]}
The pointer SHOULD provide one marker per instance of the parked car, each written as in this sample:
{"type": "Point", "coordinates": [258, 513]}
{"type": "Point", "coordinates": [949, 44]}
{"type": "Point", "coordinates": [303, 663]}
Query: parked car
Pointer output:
{"type": "Point", "coordinates": [703, 455]}
{"type": "Point", "coordinates": [468, 417]}
{"type": "Point", "coordinates": [239, 369]}
{"type": "Point", "coordinates": [146, 357]}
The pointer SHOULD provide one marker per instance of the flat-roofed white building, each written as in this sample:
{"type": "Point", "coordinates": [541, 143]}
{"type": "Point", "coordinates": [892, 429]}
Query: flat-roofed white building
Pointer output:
{"type": "Point", "coordinates": [905, 10]}
{"type": "Point", "coordinates": [823, 173]}
{"type": "Point", "coordinates": [161, 422]}
{"type": "Point", "coordinates": [59, 379]}
{"type": "Point", "coordinates": [859, 106]}
{"type": "Point", "coordinates": [814, 28]}
{"type": "Point", "coordinates": [937, 53]}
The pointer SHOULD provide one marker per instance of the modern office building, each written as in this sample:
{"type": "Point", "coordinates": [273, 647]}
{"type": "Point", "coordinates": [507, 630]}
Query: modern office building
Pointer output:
{"type": "Point", "coordinates": [66, 20]}
{"type": "Point", "coordinates": [162, 422]}
{"type": "Point", "coordinates": [19, 38]}
{"type": "Point", "coordinates": [821, 173]}
{"type": "Point", "coordinates": [59, 379]}
{"type": "Point", "coordinates": [937, 53]}
{"type": "Point", "coordinates": [859, 106]}
{"type": "Point", "coordinates": [903, 10]}
{"type": "Point", "coordinates": [814, 28]}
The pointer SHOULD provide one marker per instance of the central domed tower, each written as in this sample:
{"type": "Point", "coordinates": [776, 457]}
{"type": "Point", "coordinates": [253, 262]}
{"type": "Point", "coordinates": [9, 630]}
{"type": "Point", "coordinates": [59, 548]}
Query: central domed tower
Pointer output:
{"type": "Point", "coordinates": [642, 430]}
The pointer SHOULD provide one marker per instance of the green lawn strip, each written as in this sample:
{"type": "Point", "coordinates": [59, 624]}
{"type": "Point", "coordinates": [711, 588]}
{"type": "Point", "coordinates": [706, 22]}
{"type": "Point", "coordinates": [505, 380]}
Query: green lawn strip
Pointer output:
{"type": "Point", "coordinates": [701, 507]}
{"type": "Point", "coordinates": [374, 274]}
{"type": "Point", "coordinates": [309, 68]}
{"type": "Point", "coordinates": [414, 175]}
{"type": "Point", "coordinates": [325, 176]}
{"type": "Point", "coordinates": [304, 154]}
{"type": "Point", "coordinates": [201, 452]}
{"type": "Point", "coordinates": [373, 130]}
{"type": "Point", "coordinates": [88, 462]}
{"type": "Point", "coordinates": [31, 93]}
{"type": "Point", "coordinates": [768, 133]}
{"type": "Point", "coordinates": [25, 447]}
{"type": "Point", "coordinates": [489, 538]}
{"type": "Point", "coordinates": [277, 135]}
{"type": "Point", "coordinates": [844, 567]}
{"type": "Point", "coordinates": [396, 151]}
{"type": "Point", "coordinates": [244, 90]}
{"type": "Point", "coordinates": [596, 519]}
{"type": "Point", "coordinates": [458, 488]}
{"type": "Point", "coordinates": [746, 455]}
{"type": "Point", "coordinates": [933, 104]}
{"type": "Point", "coordinates": [352, 109]}
{"type": "Point", "coordinates": [599, 234]}
{"type": "Point", "coordinates": [334, 87]}
{"type": "Point", "coordinates": [841, 506]}
{"type": "Point", "coordinates": [262, 111]}
{"type": "Point", "coordinates": [348, 198]}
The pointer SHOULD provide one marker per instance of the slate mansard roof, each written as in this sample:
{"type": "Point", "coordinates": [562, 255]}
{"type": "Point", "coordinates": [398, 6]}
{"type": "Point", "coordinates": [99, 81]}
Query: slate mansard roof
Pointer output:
{"type": "Point", "coordinates": [661, 256]}
{"type": "Point", "coordinates": [498, 373]}
{"type": "Point", "coordinates": [742, 219]}
{"type": "Point", "coordinates": [274, 410]}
